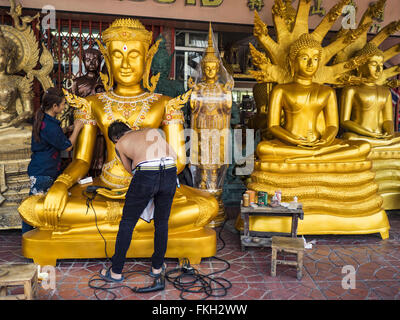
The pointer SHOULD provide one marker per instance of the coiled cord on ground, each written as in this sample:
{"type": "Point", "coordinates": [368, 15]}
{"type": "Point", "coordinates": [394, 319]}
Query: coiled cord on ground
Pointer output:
{"type": "Point", "coordinates": [185, 278]}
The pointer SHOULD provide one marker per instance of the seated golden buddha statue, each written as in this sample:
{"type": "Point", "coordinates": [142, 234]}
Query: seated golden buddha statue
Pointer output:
{"type": "Point", "coordinates": [367, 115]}
{"type": "Point", "coordinates": [331, 177]}
{"type": "Point", "coordinates": [65, 226]}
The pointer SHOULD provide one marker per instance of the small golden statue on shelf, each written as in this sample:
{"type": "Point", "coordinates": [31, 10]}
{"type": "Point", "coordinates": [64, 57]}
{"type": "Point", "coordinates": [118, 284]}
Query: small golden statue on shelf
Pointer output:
{"type": "Point", "coordinates": [62, 225]}
{"type": "Point", "coordinates": [367, 111]}
{"type": "Point", "coordinates": [331, 177]}
{"type": "Point", "coordinates": [211, 103]}
{"type": "Point", "coordinates": [19, 56]}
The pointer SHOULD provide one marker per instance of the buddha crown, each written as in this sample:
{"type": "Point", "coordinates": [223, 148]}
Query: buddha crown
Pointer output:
{"type": "Point", "coordinates": [369, 50]}
{"type": "Point", "coordinates": [210, 55]}
{"type": "Point", "coordinates": [127, 29]}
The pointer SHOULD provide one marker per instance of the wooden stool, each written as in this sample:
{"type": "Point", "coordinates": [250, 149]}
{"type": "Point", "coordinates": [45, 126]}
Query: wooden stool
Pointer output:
{"type": "Point", "coordinates": [290, 245]}
{"type": "Point", "coordinates": [19, 275]}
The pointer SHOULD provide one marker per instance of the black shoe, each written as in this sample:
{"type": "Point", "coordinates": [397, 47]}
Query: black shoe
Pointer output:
{"type": "Point", "coordinates": [156, 275]}
{"type": "Point", "coordinates": [158, 285]}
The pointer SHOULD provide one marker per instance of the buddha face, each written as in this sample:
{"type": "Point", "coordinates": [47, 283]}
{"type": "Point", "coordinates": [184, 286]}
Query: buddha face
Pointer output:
{"type": "Point", "coordinates": [127, 61]}
{"type": "Point", "coordinates": [307, 62]}
{"type": "Point", "coordinates": [92, 61]}
{"type": "Point", "coordinates": [210, 70]}
{"type": "Point", "coordinates": [373, 70]}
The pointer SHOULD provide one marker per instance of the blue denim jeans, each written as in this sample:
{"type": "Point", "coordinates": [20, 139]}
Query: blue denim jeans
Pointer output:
{"type": "Point", "coordinates": [39, 184]}
{"type": "Point", "coordinates": [146, 184]}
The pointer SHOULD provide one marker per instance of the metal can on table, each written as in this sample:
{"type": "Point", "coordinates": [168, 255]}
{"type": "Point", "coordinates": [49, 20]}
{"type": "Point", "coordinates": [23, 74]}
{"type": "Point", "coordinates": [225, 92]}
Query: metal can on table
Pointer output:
{"type": "Point", "coordinates": [246, 200]}
{"type": "Point", "coordinates": [262, 198]}
{"type": "Point", "coordinates": [252, 195]}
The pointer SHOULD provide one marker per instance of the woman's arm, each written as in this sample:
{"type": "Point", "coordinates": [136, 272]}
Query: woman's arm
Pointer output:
{"type": "Point", "coordinates": [78, 125]}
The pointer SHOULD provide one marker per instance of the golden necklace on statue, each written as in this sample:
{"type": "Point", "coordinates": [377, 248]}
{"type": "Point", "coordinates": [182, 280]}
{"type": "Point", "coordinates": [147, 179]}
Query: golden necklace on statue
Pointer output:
{"type": "Point", "coordinates": [127, 106]}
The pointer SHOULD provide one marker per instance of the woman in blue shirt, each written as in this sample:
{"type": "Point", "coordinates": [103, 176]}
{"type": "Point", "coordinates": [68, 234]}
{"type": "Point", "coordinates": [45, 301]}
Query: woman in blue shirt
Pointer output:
{"type": "Point", "coordinates": [48, 140]}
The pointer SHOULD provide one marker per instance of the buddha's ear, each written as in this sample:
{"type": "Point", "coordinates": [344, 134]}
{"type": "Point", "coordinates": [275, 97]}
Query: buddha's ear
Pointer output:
{"type": "Point", "coordinates": [149, 59]}
{"type": "Point", "coordinates": [291, 68]}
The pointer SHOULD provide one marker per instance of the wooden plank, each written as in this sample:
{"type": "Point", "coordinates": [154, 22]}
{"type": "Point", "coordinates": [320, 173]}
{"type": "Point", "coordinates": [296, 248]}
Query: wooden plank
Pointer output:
{"type": "Point", "coordinates": [14, 297]}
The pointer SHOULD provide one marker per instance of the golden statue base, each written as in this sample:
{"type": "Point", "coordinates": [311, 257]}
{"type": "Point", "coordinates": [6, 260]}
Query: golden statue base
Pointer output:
{"type": "Point", "coordinates": [391, 201]}
{"type": "Point", "coordinates": [15, 155]}
{"type": "Point", "coordinates": [316, 224]}
{"type": "Point", "coordinates": [44, 249]}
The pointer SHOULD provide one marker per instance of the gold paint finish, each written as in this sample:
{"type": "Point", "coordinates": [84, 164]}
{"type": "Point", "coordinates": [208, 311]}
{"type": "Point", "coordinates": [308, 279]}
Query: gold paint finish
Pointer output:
{"type": "Point", "coordinates": [330, 176]}
{"type": "Point", "coordinates": [64, 230]}
{"type": "Point", "coordinates": [367, 113]}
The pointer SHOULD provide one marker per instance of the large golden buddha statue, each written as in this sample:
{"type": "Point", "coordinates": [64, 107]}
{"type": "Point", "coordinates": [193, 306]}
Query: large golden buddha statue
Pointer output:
{"type": "Point", "coordinates": [367, 113]}
{"type": "Point", "coordinates": [331, 177]}
{"type": "Point", "coordinates": [65, 226]}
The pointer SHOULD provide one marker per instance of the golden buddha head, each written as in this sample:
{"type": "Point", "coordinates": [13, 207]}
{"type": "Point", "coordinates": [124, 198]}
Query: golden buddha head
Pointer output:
{"type": "Point", "coordinates": [304, 56]}
{"type": "Point", "coordinates": [127, 54]}
{"type": "Point", "coordinates": [372, 70]}
{"type": "Point", "coordinates": [210, 64]}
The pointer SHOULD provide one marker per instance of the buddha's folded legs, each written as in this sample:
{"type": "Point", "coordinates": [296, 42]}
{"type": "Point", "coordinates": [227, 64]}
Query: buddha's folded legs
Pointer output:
{"type": "Point", "coordinates": [192, 209]}
{"type": "Point", "coordinates": [339, 150]}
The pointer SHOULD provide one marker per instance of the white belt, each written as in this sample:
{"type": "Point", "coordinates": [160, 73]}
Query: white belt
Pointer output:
{"type": "Point", "coordinates": [156, 162]}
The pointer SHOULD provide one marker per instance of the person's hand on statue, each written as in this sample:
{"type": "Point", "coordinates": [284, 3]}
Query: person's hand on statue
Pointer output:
{"type": "Point", "coordinates": [55, 201]}
{"type": "Point", "coordinates": [78, 124]}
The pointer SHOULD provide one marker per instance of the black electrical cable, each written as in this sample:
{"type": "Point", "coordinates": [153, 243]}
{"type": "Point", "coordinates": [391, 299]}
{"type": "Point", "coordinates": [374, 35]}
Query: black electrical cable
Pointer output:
{"type": "Point", "coordinates": [89, 204]}
{"type": "Point", "coordinates": [188, 280]}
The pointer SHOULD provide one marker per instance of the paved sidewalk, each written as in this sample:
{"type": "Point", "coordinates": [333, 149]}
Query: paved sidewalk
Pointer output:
{"type": "Point", "coordinates": [377, 265]}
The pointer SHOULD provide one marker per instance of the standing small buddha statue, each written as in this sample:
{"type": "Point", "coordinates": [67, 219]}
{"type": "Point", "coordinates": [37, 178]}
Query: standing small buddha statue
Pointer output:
{"type": "Point", "coordinates": [211, 103]}
{"type": "Point", "coordinates": [331, 177]}
{"type": "Point", "coordinates": [367, 115]}
{"type": "Point", "coordinates": [65, 226]}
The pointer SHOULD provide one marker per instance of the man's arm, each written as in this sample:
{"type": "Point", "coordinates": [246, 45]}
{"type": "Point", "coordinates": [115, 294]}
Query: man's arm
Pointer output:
{"type": "Point", "coordinates": [127, 163]}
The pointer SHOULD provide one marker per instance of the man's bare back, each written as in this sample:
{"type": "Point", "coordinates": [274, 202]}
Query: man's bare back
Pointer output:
{"type": "Point", "coordinates": [146, 144]}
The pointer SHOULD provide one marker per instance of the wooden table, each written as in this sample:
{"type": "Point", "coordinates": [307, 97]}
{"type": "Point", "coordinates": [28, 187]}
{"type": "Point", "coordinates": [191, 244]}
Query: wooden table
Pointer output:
{"type": "Point", "coordinates": [262, 239]}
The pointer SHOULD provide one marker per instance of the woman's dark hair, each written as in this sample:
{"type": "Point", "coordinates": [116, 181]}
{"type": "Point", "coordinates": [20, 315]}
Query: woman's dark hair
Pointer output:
{"type": "Point", "coordinates": [51, 97]}
{"type": "Point", "coordinates": [116, 130]}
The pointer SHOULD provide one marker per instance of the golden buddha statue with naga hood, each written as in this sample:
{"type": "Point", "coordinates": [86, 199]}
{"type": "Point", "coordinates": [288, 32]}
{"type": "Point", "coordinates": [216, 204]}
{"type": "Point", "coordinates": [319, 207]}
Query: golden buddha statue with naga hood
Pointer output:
{"type": "Point", "coordinates": [331, 177]}
{"type": "Point", "coordinates": [65, 226]}
{"type": "Point", "coordinates": [367, 110]}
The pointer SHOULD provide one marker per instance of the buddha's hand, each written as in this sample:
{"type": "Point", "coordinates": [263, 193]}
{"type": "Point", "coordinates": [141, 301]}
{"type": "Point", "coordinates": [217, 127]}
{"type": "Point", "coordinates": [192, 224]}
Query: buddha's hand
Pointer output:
{"type": "Point", "coordinates": [388, 131]}
{"type": "Point", "coordinates": [303, 142]}
{"type": "Point", "coordinates": [54, 202]}
{"type": "Point", "coordinates": [388, 135]}
{"type": "Point", "coordinates": [379, 135]}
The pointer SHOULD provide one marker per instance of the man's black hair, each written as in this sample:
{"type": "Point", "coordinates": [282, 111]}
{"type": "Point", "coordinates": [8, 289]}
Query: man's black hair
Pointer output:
{"type": "Point", "coordinates": [117, 129]}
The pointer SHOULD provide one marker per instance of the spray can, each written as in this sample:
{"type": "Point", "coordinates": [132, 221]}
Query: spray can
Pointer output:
{"type": "Point", "coordinates": [278, 195]}
{"type": "Point", "coordinates": [246, 200]}
{"type": "Point", "coordinates": [262, 198]}
{"type": "Point", "coordinates": [252, 195]}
